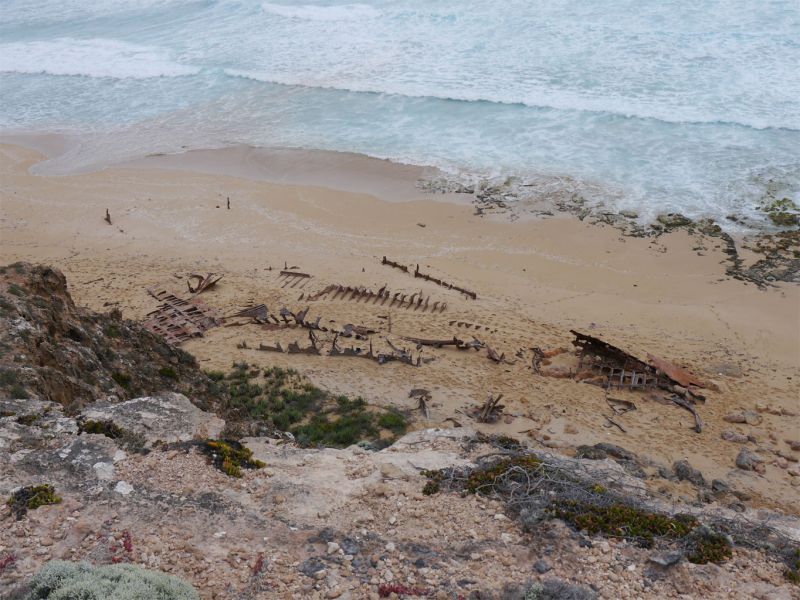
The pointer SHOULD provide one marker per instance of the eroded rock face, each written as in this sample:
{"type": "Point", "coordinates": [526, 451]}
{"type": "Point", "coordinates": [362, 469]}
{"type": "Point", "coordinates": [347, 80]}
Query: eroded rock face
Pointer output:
{"type": "Point", "coordinates": [58, 352]}
{"type": "Point", "coordinates": [166, 417]}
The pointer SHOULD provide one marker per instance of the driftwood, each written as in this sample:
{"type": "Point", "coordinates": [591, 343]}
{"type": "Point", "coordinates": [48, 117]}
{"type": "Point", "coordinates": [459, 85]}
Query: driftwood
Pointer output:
{"type": "Point", "coordinates": [490, 411]}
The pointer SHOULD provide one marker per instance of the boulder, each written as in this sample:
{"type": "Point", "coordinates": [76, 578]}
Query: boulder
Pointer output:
{"type": "Point", "coordinates": [166, 417]}
{"type": "Point", "coordinates": [750, 461]}
{"type": "Point", "coordinates": [687, 472]}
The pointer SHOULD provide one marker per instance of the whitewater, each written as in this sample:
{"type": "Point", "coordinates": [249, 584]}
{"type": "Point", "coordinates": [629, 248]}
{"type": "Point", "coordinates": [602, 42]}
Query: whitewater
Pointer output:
{"type": "Point", "coordinates": [666, 105]}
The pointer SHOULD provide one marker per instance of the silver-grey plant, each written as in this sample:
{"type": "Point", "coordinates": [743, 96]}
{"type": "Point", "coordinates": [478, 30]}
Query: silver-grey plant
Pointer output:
{"type": "Point", "coordinates": [62, 580]}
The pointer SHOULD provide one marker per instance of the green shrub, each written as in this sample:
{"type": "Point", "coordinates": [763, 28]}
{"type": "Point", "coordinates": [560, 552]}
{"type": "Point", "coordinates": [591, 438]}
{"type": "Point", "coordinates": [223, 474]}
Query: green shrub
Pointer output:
{"type": "Point", "coordinates": [107, 428]}
{"type": "Point", "coordinates": [481, 480]}
{"type": "Point", "coordinates": [122, 379]}
{"type": "Point", "coordinates": [709, 546]}
{"type": "Point", "coordinates": [61, 580]}
{"type": "Point", "coordinates": [8, 377]}
{"type": "Point", "coordinates": [28, 419]}
{"type": "Point", "coordinates": [16, 290]}
{"type": "Point", "coordinates": [18, 392]}
{"type": "Point", "coordinates": [230, 456]}
{"type": "Point", "coordinates": [168, 372]}
{"type": "Point", "coordinates": [113, 331]}
{"type": "Point", "coordinates": [30, 498]}
{"type": "Point", "coordinates": [215, 375]}
{"type": "Point", "coordinates": [619, 520]}
{"type": "Point", "coordinates": [393, 421]}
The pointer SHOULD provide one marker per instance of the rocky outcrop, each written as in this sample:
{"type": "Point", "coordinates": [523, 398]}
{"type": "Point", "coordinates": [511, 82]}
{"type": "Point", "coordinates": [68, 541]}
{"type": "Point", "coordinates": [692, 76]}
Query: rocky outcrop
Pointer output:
{"type": "Point", "coordinates": [167, 417]}
{"type": "Point", "coordinates": [55, 351]}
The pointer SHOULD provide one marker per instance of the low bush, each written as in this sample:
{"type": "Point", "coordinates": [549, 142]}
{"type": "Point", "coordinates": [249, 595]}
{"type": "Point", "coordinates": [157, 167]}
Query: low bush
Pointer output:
{"type": "Point", "coordinates": [61, 580]}
{"type": "Point", "coordinates": [30, 498]}
{"type": "Point", "coordinates": [231, 457]}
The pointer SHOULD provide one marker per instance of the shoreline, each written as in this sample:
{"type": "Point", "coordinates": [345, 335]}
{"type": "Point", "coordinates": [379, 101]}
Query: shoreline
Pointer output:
{"type": "Point", "coordinates": [535, 280]}
{"type": "Point", "coordinates": [504, 196]}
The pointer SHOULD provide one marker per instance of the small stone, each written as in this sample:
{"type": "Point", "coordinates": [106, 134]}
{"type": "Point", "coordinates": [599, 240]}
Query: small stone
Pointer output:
{"type": "Point", "coordinates": [499, 517]}
{"type": "Point", "coordinates": [103, 470]}
{"type": "Point", "coordinates": [541, 566]}
{"type": "Point", "coordinates": [123, 487]}
{"type": "Point", "coordinates": [736, 438]}
{"type": "Point", "coordinates": [333, 547]}
{"type": "Point", "coordinates": [749, 461]}
{"type": "Point", "coordinates": [390, 547]}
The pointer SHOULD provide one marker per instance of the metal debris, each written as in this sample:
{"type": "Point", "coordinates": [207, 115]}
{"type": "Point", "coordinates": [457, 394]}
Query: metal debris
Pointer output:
{"type": "Point", "coordinates": [698, 423]}
{"type": "Point", "coordinates": [292, 279]}
{"type": "Point", "coordinates": [258, 313]}
{"type": "Point", "coordinates": [623, 370]}
{"type": "Point", "coordinates": [677, 374]}
{"type": "Point", "coordinates": [422, 396]}
{"type": "Point", "coordinates": [420, 275]}
{"type": "Point", "coordinates": [415, 301]}
{"type": "Point", "coordinates": [178, 319]}
{"type": "Point", "coordinates": [394, 264]}
{"type": "Point", "coordinates": [620, 369]}
{"type": "Point", "coordinates": [203, 282]}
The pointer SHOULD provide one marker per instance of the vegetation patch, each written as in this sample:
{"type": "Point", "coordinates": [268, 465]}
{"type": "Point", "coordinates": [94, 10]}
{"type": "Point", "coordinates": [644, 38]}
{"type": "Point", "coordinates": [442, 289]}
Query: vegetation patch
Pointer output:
{"type": "Point", "coordinates": [282, 399]}
{"type": "Point", "coordinates": [28, 420]}
{"type": "Point", "coordinates": [59, 580]}
{"type": "Point", "coordinates": [434, 483]}
{"type": "Point", "coordinates": [107, 428]}
{"type": "Point", "coordinates": [792, 573]}
{"type": "Point", "coordinates": [123, 380]}
{"type": "Point", "coordinates": [30, 498]}
{"type": "Point", "coordinates": [231, 457]}
{"type": "Point", "coordinates": [18, 392]}
{"type": "Point", "coordinates": [168, 372]}
{"type": "Point", "coordinates": [8, 377]}
{"type": "Point", "coordinates": [17, 291]}
{"type": "Point", "coordinates": [627, 522]}
{"type": "Point", "coordinates": [709, 546]}
{"type": "Point", "coordinates": [112, 330]}
{"type": "Point", "coordinates": [482, 480]}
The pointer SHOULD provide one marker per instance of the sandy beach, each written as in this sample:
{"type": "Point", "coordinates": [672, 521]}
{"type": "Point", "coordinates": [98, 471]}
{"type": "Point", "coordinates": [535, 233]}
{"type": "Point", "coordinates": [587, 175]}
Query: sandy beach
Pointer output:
{"type": "Point", "coordinates": [535, 281]}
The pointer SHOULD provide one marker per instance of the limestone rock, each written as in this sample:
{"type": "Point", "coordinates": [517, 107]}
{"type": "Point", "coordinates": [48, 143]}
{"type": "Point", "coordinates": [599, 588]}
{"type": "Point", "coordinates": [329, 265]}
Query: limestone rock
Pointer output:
{"type": "Point", "coordinates": [166, 417]}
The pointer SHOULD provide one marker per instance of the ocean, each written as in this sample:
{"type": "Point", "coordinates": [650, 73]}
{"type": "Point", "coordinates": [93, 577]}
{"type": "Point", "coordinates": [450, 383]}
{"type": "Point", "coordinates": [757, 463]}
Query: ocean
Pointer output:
{"type": "Point", "coordinates": [655, 105]}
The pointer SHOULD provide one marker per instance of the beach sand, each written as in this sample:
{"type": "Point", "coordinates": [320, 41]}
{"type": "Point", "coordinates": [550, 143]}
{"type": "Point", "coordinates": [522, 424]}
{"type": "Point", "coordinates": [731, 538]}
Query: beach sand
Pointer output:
{"type": "Point", "coordinates": [535, 280]}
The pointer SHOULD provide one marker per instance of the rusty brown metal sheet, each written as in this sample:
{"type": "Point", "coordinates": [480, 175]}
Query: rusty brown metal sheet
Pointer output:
{"type": "Point", "coordinates": [677, 374]}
